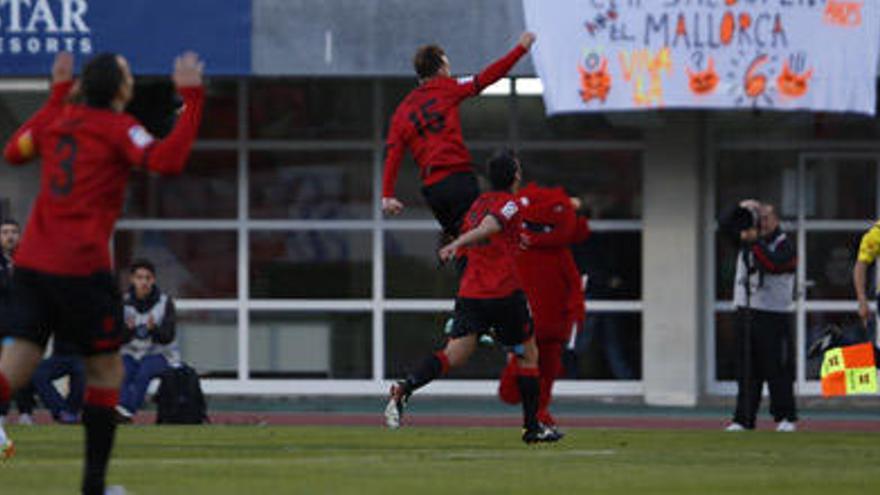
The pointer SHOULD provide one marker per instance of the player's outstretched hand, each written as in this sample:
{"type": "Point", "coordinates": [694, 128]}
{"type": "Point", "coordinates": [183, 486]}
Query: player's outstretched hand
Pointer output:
{"type": "Point", "coordinates": [188, 70]}
{"type": "Point", "coordinates": [62, 68]}
{"type": "Point", "coordinates": [527, 39]}
{"type": "Point", "coordinates": [446, 253]}
{"type": "Point", "coordinates": [391, 206]}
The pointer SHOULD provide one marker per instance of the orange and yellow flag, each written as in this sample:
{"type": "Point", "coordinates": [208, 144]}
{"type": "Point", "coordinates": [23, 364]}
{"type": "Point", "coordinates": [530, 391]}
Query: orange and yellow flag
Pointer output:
{"type": "Point", "coordinates": [849, 370]}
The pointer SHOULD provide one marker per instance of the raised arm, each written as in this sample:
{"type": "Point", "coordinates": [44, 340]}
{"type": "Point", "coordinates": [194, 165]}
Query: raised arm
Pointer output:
{"type": "Point", "coordinates": [169, 156]}
{"type": "Point", "coordinates": [395, 148]}
{"type": "Point", "coordinates": [497, 69]}
{"type": "Point", "coordinates": [489, 226]}
{"type": "Point", "coordinates": [22, 146]}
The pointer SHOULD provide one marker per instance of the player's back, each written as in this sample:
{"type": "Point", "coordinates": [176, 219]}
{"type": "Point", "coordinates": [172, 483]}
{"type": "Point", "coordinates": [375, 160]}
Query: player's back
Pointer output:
{"type": "Point", "coordinates": [82, 189]}
{"type": "Point", "coordinates": [490, 271]}
{"type": "Point", "coordinates": [429, 116]}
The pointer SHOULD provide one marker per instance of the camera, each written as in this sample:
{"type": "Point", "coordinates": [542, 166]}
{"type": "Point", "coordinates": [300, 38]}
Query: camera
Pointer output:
{"type": "Point", "coordinates": [742, 217]}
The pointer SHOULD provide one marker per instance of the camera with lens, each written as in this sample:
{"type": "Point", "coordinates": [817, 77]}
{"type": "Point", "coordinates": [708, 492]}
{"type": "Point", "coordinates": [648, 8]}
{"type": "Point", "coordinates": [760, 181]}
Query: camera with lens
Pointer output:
{"type": "Point", "coordinates": [744, 216]}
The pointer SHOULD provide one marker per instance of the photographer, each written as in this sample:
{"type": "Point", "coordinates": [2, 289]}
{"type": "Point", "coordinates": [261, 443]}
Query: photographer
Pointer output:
{"type": "Point", "coordinates": [763, 293]}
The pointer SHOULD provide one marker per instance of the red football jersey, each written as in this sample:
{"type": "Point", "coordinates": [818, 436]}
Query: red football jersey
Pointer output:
{"type": "Point", "coordinates": [491, 271]}
{"type": "Point", "coordinates": [87, 154]}
{"type": "Point", "coordinates": [427, 123]}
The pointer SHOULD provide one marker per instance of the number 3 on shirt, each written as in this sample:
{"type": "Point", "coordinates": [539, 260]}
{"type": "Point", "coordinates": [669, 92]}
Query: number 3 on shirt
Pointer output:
{"type": "Point", "coordinates": [433, 122]}
{"type": "Point", "coordinates": [62, 184]}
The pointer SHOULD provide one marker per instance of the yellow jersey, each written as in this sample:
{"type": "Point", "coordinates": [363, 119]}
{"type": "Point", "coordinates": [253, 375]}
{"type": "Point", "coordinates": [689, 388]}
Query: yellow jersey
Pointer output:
{"type": "Point", "coordinates": [869, 248]}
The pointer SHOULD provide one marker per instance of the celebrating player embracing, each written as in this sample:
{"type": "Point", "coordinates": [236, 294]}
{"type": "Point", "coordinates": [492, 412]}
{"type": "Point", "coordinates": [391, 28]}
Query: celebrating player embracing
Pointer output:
{"type": "Point", "coordinates": [489, 298]}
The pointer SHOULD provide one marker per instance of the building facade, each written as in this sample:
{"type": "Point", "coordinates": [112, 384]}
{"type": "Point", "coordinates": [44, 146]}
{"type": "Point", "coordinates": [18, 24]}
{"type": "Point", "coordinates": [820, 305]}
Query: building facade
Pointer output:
{"type": "Point", "coordinates": [290, 281]}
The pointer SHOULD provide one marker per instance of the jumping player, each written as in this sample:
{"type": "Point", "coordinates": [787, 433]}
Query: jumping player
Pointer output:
{"type": "Point", "coordinates": [63, 281]}
{"type": "Point", "coordinates": [427, 124]}
{"type": "Point", "coordinates": [489, 297]}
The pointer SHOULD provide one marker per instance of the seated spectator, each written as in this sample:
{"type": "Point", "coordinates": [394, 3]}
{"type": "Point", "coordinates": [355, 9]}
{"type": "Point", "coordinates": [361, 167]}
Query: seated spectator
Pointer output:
{"type": "Point", "coordinates": [151, 348]}
{"type": "Point", "coordinates": [60, 363]}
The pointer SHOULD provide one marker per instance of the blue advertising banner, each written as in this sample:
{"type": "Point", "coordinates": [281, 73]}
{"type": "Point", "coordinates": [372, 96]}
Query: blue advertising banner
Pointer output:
{"type": "Point", "coordinates": [150, 33]}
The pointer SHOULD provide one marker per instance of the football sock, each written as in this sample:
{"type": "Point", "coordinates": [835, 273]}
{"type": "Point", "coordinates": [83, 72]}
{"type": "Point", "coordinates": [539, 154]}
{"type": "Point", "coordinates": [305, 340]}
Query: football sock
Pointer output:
{"type": "Point", "coordinates": [529, 389]}
{"type": "Point", "coordinates": [100, 428]}
{"type": "Point", "coordinates": [5, 389]}
{"type": "Point", "coordinates": [508, 388]}
{"type": "Point", "coordinates": [430, 369]}
{"type": "Point", "coordinates": [549, 364]}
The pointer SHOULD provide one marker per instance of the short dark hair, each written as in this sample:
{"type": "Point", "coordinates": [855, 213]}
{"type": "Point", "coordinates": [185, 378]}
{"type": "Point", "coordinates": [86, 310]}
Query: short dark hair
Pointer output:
{"type": "Point", "coordinates": [428, 60]}
{"type": "Point", "coordinates": [502, 169]}
{"type": "Point", "coordinates": [9, 221]}
{"type": "Point", "coordinates": [142, 263]}
{"type": "Point", "coordinates": [101, 79]}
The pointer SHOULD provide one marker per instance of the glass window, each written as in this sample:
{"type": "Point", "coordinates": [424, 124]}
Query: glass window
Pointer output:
{"type": "Point", "coordinates": [412, 269]}
{"type": "Point", "coordinates": [830, 259]}
{"type": "Point", "coordinates": [208, 188]}
{"type": "Point", "coordinates": [18, 185]}
{"type": "Point", "coordinates": [311, 185]}
{"type": "Point", "coordinates": [188, 264]}
{"type": "Point", "coordinates": [818, 323]}
{"type": "Point", "coordinates": [311, 264]}
{"type": "Point", "coordinates": [209, 341]}
{"type": "Point", "coordinates": [609, 348]}
{"type": "Point", "coordinates": [311, 109]}
{"type": "Point", "coordinates": [534, 124]}
{"type": "Point", "coordinates": [725, 346]}
{"type": "Point", "coordinates": [220, 117]}
{"type": "Point", "coordinates": [762, 126]}
{"type": "Point", "coordinates": [409, 186]}
{"type": "Point", "coordinates": [769, 176]}
{"type": "Point", "coordinates": [841, 188]}
{"type": "Point", "coordinates": [409, 337]}
{"type": "Point", "coordinates": [485, 117]}
{"type": "Point", "coordinates": [613, 264]}
{"type": "Point", "coordinates": [610, 182]}
{"type": "Point", "coordinates": [771, 125]}
{"type": "Point", "coordinates": [311, 345]}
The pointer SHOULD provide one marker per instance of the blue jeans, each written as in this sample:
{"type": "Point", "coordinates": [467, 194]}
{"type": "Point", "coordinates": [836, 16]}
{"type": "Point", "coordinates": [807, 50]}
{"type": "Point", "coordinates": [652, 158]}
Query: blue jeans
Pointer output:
{"type": "Point", "coordinates": [138, 374]}
{"type": "Point", "coordinates": [53, 368]}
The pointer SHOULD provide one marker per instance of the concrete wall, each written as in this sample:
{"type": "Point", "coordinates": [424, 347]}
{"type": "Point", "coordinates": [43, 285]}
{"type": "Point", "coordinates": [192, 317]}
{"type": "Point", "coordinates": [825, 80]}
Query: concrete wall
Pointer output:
{"type": "Point", "coordinates": [379, 37]}
{"type": "Point", "coordinates": [671, 275]}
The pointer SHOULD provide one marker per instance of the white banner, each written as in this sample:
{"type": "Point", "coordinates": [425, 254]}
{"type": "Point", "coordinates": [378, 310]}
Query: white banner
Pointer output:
{"type": "Point", "coordinates": [599, 55]}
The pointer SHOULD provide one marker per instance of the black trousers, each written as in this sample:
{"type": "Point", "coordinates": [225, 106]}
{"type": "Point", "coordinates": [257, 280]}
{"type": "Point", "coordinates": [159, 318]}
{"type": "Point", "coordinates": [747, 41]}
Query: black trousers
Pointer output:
{"type": "Point", "coordinates": [771, 359]}
{"type": "Point", "coordinates": [450, 199]}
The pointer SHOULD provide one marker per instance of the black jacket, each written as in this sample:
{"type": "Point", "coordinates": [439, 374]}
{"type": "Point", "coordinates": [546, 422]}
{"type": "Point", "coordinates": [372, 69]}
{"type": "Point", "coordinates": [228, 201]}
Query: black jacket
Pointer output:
{"type": "Point", "coordinates": [165, 331]}
{"type": "Point", "coordinates": [5, 278]}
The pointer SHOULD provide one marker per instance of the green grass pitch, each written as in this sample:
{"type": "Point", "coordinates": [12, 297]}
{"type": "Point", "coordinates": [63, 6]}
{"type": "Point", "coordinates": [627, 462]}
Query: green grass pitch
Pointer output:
{"type": "Point", "coordinates": [254, 460]}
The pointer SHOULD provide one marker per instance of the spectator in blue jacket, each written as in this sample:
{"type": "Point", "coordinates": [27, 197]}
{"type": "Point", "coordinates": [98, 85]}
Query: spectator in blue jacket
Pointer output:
{"type": "Point", "coordinates": [151, 348]}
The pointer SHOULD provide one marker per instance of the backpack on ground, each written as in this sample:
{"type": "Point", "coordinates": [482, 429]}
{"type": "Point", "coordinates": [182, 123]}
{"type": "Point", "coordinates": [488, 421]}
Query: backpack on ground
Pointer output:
{"type": "Point", "coordinates": [180, 399]}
